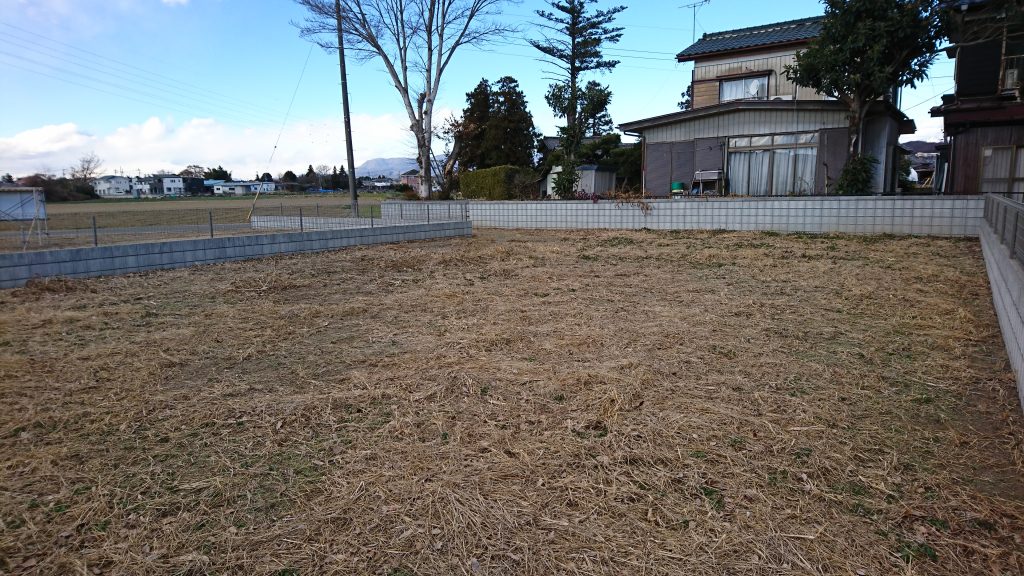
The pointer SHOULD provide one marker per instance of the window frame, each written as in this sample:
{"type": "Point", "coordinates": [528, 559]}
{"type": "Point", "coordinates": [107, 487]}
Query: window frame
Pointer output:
{"type": "Point", "coordinates": [767, 86]}
{"type": "Point", "coordinates": [1016, 153]}
{"type": "Point", "coordinates": [812, 142]}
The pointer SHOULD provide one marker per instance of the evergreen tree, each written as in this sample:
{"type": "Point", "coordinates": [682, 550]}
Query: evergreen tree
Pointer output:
{"type": "Point", "coordinates": [575, 50]}
{"type": "Point", "coordinates": [509, 135]}
{"type": "Point", "coordinates": [473, 130]}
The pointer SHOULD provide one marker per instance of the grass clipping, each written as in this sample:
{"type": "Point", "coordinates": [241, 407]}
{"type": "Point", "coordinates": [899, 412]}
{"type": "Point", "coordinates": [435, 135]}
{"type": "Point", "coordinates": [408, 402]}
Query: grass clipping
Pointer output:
{"type": "Point", "coordinates": [518, 403]}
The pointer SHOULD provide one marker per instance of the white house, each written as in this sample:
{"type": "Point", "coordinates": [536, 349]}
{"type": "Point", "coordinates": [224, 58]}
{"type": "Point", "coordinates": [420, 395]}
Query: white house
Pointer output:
{"type": "Point", "coordinates": [112, 186]}
{"type": "Point", "coordinates": [242, 188]}
{"type": "Point", "coordinates": [167, 185]}
{"type": "Point", "coordinates": [140, 187]}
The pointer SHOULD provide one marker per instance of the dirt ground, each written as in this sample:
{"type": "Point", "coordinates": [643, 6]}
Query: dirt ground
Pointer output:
{"type": "Point", "coordinates": [518, 403]}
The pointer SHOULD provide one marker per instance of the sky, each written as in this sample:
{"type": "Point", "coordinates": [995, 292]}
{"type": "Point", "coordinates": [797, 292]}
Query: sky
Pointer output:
{"type": "Point", "coordinates": [152, 85]}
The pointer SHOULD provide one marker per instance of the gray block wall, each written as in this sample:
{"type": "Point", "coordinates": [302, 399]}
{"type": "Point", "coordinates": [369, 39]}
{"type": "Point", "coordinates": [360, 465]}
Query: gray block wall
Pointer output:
{"type": "Point", "coordinates": [1006, 277]}
{"type": "Point", "coordinates": [933, 215]}
{"type": "Point", "coordinates": [18, 268]}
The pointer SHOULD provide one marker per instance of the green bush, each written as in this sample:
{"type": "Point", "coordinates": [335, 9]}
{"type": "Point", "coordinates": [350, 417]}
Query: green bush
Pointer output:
{"type": "Point", "coordinates": [855, 180]}
{"type": "Point", "coordinates": [499, 183]}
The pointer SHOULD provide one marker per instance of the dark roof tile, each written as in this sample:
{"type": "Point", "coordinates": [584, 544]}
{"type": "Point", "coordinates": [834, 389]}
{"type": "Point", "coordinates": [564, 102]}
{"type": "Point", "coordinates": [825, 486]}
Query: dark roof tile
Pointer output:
{"type": "Point", "coordinates": [743, 38]}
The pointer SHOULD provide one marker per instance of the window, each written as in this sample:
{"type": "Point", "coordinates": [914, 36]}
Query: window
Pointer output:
{"type": "Point", "coordinates": [1002, 169]}
{"type": "Point", "coordinates": [755, 88]}
{"type": "Point", "coordinates": [778, 165]}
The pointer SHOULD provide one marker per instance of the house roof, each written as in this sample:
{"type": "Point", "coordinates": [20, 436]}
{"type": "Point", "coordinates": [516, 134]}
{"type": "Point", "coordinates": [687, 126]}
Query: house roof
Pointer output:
{"type": "Point", "coordinates": [907, 125]}
{"type": "Point", "coordinates": [756, 36]}
{"type": "Point", "coordinates": [413, 172]}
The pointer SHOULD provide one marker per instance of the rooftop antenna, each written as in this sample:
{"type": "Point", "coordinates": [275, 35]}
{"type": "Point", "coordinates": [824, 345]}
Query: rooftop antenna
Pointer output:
{"type": "Point", "coordinates": [695, 6]}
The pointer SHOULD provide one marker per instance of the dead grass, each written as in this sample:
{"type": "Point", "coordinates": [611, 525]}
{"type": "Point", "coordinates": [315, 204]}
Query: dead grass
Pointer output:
{"type": "Point", "coordinates": [518, 403]}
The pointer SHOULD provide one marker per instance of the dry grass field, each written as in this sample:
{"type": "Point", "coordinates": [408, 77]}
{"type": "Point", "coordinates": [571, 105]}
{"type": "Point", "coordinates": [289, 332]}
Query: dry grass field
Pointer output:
{"type": "Point", "coordinates": [518, 403]}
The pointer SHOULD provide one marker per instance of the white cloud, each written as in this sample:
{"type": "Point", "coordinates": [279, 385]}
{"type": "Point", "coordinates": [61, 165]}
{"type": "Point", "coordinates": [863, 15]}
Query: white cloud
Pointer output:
{"type": "Point", "coordinates": [928, 129]}
{"type": "Point", "coordinates": [164, 144]}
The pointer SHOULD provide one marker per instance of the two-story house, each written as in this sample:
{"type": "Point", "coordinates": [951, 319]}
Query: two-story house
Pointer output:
{"type": "Point", "coordinates": [751, 131]}
{"type": "Point", "coordinates": [112, 186]}
{"type": "Point", "coordinates": [983, 120]}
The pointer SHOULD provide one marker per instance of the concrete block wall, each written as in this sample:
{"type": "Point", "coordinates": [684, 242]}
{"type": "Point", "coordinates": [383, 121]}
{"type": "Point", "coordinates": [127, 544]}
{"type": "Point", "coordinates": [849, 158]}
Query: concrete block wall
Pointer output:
{"type": "Point", "coordinates": [18, 268]}
{"type": "Point", "coordinates": [1006, 277]}
{"type": "Point", "coordinates": [933, 215]}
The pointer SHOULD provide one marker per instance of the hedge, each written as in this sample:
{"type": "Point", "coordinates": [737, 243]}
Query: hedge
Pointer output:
{"type": "Point", "coordinates": [499, 183]}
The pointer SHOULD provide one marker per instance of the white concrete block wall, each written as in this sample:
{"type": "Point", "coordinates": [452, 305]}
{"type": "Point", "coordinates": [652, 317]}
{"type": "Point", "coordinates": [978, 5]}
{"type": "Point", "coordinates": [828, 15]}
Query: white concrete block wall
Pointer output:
{"type": "Point", "coordinates": [1006, 277]}
{"type": "Point", "coordinates": [18, 268]}
{"type": "Point", "coordinates": [933, 215]}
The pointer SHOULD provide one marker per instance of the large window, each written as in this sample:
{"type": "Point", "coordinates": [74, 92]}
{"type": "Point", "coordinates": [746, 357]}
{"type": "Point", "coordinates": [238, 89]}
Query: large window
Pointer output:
{"type": "Point", "coordinates": [1002, 169]}
{"type": "Point", "coordinates": [755, 88]}
{"type": "Point", "coordinates": [780, 165]}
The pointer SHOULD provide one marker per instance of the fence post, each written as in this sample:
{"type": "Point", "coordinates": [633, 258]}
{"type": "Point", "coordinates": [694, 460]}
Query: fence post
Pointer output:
{"type": "Point", "coordinates": [318, 210]}
{"type": "Point", "coordinates": [302, 226]}
{"type": "Point", "coordinates": [428, 213]}
{"type": "Point", "coordinates": [371, 215]}
{"type": "Point", "coordinates": [449, 211]}
{"type": "Point", "coordinates": [211, 223]}
{"type": "Point", "coordinates": [95, 234]}
{"type": "Point", "coordinates": [400, 215]}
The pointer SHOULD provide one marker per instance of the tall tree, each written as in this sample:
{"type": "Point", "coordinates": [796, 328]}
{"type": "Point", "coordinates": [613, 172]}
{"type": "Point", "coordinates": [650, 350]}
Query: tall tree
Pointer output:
{"type": "Point", "coordinates": [573, 45]}
{"type": "Point", "coordinates": [594, 98]}
{"type": "Point", "coordinates": [471, 131]}
{"type": "Point", "coordinates": [192, 171]}
{"type": "Point", "coordinates": [87, 168]}
{"type": "Point", "coordinates": [7, 179]}
{"type": "Point", "coordinates": [218, 173]}
{"type": "Point", "coordinates": [686, 101]}
{"type": "Point", "coordinates": [868, 48]}
{"type": "Point", "coordinates": [510, 133]}
{"type": "Point", "coordinates": [415, 40]}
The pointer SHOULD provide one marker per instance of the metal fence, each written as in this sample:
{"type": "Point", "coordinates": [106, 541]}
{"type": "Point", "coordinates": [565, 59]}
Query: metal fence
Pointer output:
{"type": "Point", "coordinates": [1006, 218]}
{"type": "Point", "coordinates": [137, 224]}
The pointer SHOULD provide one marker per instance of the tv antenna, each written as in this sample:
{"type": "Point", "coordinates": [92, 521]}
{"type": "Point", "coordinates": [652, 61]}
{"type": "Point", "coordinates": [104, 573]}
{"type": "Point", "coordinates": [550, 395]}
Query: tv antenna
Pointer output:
{"type": "Point", "coordinates": [695, 6]}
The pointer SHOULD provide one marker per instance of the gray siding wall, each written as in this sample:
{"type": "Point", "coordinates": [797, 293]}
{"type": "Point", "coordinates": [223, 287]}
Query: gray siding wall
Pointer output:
{"type": "Point", "coordinates": [832, 146]}
{"type": "Point", "coordinates": [658, 168]}
{"type": "Point", "coordinates": [746, 122]}
{"type": "Point", "coordinates": [18, 268]}
{"type": "Point", "coordinates": [682, 163]}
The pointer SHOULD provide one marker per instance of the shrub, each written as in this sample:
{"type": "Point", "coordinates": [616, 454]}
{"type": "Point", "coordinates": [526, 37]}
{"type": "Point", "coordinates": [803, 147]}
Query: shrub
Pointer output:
{"type": "Point", "coordinates": [407, 192]}
{"type": "Point", "coordinates": [855, 179]}
{"type": "Point", "coordinates": [499, 183]}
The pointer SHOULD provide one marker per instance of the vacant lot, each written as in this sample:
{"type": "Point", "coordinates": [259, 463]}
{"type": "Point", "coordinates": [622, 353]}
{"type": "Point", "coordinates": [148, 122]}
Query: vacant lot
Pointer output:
{"type": "Point", "coordinates": [518, 403]}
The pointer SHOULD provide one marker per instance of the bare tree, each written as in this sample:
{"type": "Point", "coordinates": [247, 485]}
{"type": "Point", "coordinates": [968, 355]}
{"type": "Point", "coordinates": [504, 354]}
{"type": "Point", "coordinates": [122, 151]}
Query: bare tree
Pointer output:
{"type": "Point", "coordinates": [193, 171]}
{"type": "Point", "coordinates": [415, 40]}
{"type": "Point", "coordinates": [87, 168]}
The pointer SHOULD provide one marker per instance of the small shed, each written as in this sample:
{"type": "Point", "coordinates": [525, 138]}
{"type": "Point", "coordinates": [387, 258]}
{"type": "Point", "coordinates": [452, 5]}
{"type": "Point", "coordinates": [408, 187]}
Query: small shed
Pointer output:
{"type": "Point", "coordinates": [22, 204]}
{"type": "Point", "coordinates": [594, 180]}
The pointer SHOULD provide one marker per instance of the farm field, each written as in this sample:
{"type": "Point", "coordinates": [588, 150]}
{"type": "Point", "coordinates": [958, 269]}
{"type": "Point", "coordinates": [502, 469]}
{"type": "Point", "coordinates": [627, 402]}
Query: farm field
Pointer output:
{"type": "Point", "coordinates": [519, 403]}
{"type": "Point", "coordinates": [208, 203]}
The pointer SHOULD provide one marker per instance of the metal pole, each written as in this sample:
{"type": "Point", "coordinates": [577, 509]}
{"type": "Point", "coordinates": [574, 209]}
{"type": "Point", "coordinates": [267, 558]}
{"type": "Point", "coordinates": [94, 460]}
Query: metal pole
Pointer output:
{"type": "Point", "coordinates": [345, 110]}
{"type": "Point", "coordinates": [95, 234]}
{"type": "Point", "coordinates": [302, 227]}
{"type": "Point", "coordinates": [211, 223]}
{"type": "Point", "coordinates": [428, 213]}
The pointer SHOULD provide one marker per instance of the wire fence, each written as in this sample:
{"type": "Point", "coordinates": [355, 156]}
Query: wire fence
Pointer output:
{"type": "Point", "coordinates": [100, 228]}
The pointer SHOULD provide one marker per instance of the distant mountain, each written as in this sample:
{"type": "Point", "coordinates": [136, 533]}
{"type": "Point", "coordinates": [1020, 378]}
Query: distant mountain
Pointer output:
{"type": "Point", "coordinates": [917, 146]}
{"type": "Point", "coordinates": [390, 167]}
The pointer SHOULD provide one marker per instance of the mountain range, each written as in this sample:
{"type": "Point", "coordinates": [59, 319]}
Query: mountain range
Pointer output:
{"type": "Point", "coordinates": [390, 167]}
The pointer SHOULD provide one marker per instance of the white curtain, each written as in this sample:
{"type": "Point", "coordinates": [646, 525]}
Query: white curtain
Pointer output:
{"type": "Point", "coordinates": [782, 172]}
{"type": "Point", "coordinates": [804, 170]}
{"type": "Point", "coordinates": [759, 173]}
{"type": "Point", "coordinates": [739, 173]}
{"type": "Point", "coordinates": [733, 90]}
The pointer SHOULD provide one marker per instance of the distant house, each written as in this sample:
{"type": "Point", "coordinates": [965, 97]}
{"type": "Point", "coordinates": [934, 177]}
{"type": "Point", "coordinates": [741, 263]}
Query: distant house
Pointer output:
{"type": "Point", "coordinates": [381, 183]}
{"type": "Point", "coordinates": [753, 132]}
{"type": "Point", "coordinates": [242, 188]}
{"type": "Point", "coordinates": [112, 186]}
{"type": "Point", "coordinates": [594, 180]}
{"type": "Point", "coordinates": [983, 120]}
{"type": "Point", "coordinates": [411, 178]}
{"type": "Point", "coordinates": [141, 187]}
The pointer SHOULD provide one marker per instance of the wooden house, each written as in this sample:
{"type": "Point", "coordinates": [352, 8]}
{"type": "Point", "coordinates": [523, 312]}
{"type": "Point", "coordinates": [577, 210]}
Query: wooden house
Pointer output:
{"type": "Point", "coordinates": [983, 120]}
{"type": "Point", "coordinates": [753, 132]}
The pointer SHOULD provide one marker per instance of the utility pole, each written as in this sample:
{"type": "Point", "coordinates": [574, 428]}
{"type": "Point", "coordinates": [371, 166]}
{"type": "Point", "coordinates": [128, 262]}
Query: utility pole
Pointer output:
{"type": "Point", "coordinates": [344, 108]}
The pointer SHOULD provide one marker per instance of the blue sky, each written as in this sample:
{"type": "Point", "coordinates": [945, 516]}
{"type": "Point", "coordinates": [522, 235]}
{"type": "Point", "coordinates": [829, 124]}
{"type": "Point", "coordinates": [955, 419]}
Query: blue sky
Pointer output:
{"type": "Point", "coordinates": [160, 84]}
